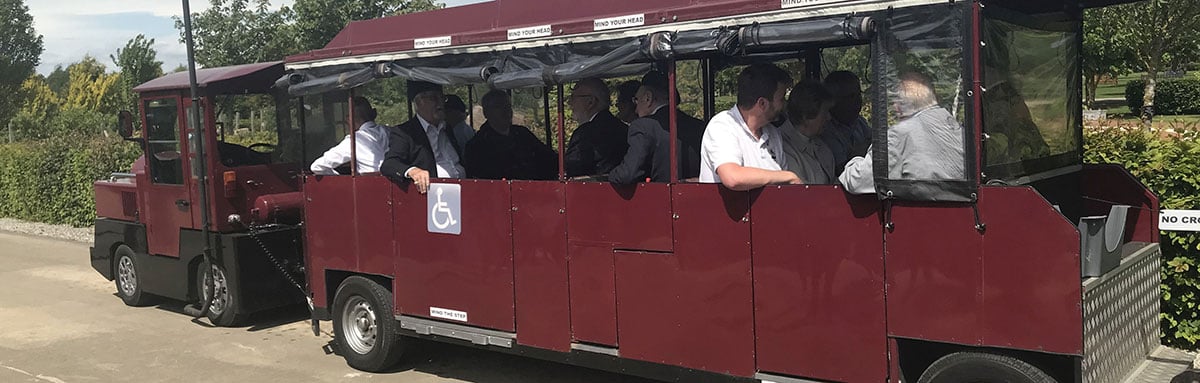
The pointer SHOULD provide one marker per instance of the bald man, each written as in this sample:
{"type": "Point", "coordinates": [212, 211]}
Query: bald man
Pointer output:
{"type": "Point", "coordinates": [598, 145]}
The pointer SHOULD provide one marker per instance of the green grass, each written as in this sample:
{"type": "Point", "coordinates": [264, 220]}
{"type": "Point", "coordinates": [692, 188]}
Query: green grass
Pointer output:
{"type": "Point", "coordinates": [1119, 109]}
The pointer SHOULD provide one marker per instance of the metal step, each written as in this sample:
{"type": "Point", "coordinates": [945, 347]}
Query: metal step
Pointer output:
{"type": "Point", "coordinates": [1166, 365]}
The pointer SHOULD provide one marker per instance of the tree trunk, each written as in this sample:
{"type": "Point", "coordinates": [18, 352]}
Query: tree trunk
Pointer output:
{"type": "Point", "coordinates": [1089, 90]}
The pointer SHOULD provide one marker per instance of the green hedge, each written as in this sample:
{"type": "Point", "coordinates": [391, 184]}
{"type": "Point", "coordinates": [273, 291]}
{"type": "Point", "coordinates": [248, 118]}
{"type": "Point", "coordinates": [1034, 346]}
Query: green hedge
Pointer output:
{"type": "Point", "coordinates": [1171, 97]}
{"type": "Point", "coordinates": [1170, 166]}
{"type": "Point", "coordinates": [51, 180]}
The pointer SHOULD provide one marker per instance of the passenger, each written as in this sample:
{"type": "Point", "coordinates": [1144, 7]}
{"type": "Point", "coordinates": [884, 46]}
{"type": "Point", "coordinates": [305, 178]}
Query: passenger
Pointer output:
{"type": "Point", "coordinates": [626, 110]}
{"type": "Point", "coordinates": [927, 143]}
{"type": "Point", "coordinates": [741, 149]}
{"type": "Point", "coordinates": [598, 145]}
{"type": "Point", "coordinates": [847, 134]}
{"type": "Point", "coordinates": [649, 154]}
{"type": "Point", "coordinates": [370, 141]}
{"type": "Point", "coordinates": [502, 150]}
{"type": "Point", "coordinates": [456, 117]}
{"type": "Point", "coordinates": [807, 156]}
{"type": "Point", "coordinates": [423, 144]}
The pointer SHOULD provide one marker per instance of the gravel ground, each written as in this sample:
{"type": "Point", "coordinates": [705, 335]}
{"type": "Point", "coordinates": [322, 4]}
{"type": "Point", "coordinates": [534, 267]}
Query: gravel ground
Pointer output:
{"type": "Point", "coordinates": [64, 232]}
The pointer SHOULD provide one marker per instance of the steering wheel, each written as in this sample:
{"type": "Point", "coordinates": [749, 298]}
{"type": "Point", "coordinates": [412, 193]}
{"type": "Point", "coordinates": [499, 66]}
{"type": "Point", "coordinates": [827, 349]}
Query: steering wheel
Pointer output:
{"type": "Point", "coordinates": [269, 147]}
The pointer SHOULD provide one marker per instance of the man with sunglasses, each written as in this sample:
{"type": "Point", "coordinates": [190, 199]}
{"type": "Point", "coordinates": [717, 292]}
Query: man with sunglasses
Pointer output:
{"type": "Point", "coordinates": [598, 145]}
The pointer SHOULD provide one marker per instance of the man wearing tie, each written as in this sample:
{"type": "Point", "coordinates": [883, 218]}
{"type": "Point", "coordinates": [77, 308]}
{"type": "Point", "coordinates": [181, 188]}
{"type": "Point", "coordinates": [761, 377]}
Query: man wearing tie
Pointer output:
{"type": "Point", "coordinates": [423, 147]}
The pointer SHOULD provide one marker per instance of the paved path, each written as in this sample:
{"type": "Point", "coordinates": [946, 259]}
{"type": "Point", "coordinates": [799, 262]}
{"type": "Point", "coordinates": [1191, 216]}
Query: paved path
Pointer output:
{"type": "Point", "coordinates": [61, 322]}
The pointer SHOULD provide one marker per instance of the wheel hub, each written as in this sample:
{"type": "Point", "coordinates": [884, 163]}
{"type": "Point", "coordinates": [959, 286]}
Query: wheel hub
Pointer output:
{"type": "Point", "coordinates": [359, 325]}
{"type": "Point", "coordinates": [126, 276]}
{"type": "Point", "coordinates": [218, 302]}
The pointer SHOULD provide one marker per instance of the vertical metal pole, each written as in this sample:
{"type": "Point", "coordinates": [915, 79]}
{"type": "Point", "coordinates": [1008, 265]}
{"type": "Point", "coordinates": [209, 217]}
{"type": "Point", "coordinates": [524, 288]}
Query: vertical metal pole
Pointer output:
{"type": "Point", "coordinates": [672, 108]}
{"type": "Point", "coordinates": [10, 133]}
{"type": "Point", "coordinates": [205, 218]}
{"type": "Point", "coordinates": [710, 98]}
{"type": "Point", "coordinates": [353, 135]}
{"type": "Point", "coordinates": [303, 131]}
{"type": "Point", "coordinates": [471, 105]}
{"type": "Point", "coordinates": [546, 110]}
{"type": "Point", "coordinates": [562, 170]}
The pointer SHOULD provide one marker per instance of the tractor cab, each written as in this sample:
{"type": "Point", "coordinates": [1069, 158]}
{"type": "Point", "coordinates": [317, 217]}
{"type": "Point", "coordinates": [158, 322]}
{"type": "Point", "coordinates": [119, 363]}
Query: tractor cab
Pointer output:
{"type": "Point", "coordinates": [253, 156]}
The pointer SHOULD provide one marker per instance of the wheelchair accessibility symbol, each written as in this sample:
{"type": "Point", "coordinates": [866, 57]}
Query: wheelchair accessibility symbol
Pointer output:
{"type": "Point", "coordinates": [445, 208]}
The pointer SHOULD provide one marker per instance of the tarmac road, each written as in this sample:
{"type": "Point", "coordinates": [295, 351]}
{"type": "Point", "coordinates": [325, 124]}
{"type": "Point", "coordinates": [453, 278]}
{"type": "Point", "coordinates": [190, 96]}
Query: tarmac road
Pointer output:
{"type": "Point", "coordinates": [60, 321]}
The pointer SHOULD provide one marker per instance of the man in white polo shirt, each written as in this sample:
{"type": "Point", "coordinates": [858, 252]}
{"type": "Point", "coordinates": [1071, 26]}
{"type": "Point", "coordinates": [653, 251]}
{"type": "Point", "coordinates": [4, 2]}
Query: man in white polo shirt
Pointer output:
{"type": "Point", "coordinates": [741, 149]}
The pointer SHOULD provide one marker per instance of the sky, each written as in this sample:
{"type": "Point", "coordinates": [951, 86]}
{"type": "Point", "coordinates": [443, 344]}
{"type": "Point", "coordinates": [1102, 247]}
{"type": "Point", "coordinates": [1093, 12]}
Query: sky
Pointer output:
{"type": "Point", "coordinates": [71, 29]}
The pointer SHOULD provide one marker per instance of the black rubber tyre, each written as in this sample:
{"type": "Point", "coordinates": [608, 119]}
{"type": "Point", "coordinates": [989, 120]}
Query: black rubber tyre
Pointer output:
{"type": "Point", "coordinates": [126, 273]}
{"type": "Point", "coordinates": [223, 311]}
{"type": "Point", "coordinates": [978, 367]}
{"type": "Point", "coordinates": [365, 333]}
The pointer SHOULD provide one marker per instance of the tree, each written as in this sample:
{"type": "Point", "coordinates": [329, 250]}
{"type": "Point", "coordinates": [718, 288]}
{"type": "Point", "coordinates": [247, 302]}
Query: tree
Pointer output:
{"type": "Point", "coordinates": [234, 32]}
{"type": "Point", "coordinates": [1157, 32]}
{"type": "Point", "coordinates": [138, 63]}
{"type": "Point", "coordinates": [318, 21]}
{"type": "Point", "coordinates": [1103, 52]}
{"type": "Point", "coordinates": [91, 87]}
{"type": "Point", "coordinates": [57, 80]}
{"type": "Point", "coordinates": [20, 52]}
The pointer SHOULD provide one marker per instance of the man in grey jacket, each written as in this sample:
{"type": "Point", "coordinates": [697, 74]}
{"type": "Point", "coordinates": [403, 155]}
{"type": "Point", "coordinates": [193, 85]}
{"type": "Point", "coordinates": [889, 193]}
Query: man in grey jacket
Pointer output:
{"type": "Point", "coordinates": [927, 143]}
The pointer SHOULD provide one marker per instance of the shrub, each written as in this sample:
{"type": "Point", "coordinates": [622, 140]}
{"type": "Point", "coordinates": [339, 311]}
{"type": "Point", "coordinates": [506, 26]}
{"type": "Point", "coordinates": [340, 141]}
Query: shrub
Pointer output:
{"type": "Point", "coordinates": [1171, 97]}
{"type": "Point", "coordinates": [51, 180]}
{"type": "Point", "coordinates": [1169, 164]}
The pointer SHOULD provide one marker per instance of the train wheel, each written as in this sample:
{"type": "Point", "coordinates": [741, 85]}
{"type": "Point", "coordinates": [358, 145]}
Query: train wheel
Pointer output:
{"type": "Point", "coordinates": [126, 271]}
{"type": "Point", "coordinates": [365, 332]}
{"type": "Point", "coordinates": [977, 367]}
{"type": "Point", "coordinates": [222, 311]}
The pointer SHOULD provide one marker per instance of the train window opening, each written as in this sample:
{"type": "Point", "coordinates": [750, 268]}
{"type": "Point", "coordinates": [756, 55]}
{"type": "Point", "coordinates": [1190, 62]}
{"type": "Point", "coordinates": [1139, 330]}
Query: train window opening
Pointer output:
{"type": "Point", "coordinates": [162, 141]}
{"type": "Point", "coordinates": [255, 129]}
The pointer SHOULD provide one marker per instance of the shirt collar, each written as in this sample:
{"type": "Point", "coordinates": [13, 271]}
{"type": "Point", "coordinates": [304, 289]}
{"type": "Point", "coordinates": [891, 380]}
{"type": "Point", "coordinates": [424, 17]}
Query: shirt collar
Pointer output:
{"type": "Point", "coordinates": [737, 117]}
{"type": "Point", "coordinates": [426, 125]}
{"type": "Point", "coordinates": [658, 109]}
{"type": "Point", "coordinates": [593, 118]}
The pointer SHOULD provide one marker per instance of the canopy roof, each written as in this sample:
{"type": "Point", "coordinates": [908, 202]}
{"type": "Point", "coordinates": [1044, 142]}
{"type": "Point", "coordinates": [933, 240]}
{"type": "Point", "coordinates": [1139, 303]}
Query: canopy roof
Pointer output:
{"type": "Point", "coordinates": [501, 21]}
{"type": "Point", "coordinates": [248, 78]}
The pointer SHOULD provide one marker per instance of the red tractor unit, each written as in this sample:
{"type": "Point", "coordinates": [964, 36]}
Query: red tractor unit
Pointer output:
{"type": "Point", "coordinates": [149, 234]}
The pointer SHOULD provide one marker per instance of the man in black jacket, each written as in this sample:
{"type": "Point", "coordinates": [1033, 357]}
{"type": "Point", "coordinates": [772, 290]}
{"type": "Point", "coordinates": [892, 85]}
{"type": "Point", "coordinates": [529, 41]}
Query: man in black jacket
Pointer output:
{"type": "Point", "coordinates": [649, 155]}
{"type": "Point", "coordinates": [501, 150]}
{"type": "Point", "coordinates": [423, 144]}
{"type": "Point", "coordinates": [599, 143]}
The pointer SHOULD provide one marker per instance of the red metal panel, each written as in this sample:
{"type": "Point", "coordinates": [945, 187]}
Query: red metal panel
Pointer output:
{"type": "Point", "coordinates": [116, 200]}
{"type": "Point", "coordinates": [593, 292]}
{"type": "Point", "coordinates": [471, 272]}
{"type": "Point", "coordinates": [540, 257]}
{"type": "Point", "coordinates": [1032, 292]}
{"type": "Point", "coordinates": [818, 284]}
{"type": "Point", "coordinates": [693, 308]}
{"type": "Point", "coordinates": [1114, 184]}
{"type": "Point", "coordinates": [373, 224]}
{"type": "Point", "coordinates": [934, 273]}
{"type": "Point", "coordinates": [329, 243]}
{"type": "Point", "coordinates": [252, 182]}
{"type": "Point", "coordinates": [628, 217]}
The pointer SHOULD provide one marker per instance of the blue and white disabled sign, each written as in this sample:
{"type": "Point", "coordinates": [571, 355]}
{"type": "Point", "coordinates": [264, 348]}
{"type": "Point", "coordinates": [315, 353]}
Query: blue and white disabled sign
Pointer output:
{"type": "Point", "coordinates": [445, 208]}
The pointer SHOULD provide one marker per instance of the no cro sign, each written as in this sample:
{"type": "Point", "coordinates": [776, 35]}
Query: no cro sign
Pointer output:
{"type": "Point", "coordinates": [1179, 220]}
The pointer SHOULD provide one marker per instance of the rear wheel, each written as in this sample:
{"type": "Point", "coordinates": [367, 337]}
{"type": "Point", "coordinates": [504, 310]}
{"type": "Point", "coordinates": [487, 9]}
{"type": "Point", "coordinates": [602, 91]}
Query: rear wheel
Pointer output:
{"type": "Point", "coordinates": [222, 311]}
{"type": "Point", "coordinates": [365, 333]}
{"type": "Point", "coordinates": [126, 273]}
{"type": "Point", "coordinates": [978, 367]}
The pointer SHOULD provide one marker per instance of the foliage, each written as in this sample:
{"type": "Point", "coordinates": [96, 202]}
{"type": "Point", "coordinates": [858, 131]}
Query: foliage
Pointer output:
{"type": "Point", "coordinates": [90, 86]}
{"type": "Point", "coordinates": [1160, 33]}
{"type": "Point", "coordinates": [20, 52]}
{"type": "Point", "coordinates": [1169, 164]}
{"type": "Point", "coordinates": [234, 32]}
{"type": "Point", "coordinates": [1103, 53]}
{"type": "Point", "coordinates": [1173, 97]}
{"type": "Point", "coordinates": [138, 64]}
{"type": "Point", "coordinates": [51, 180]}
{"type": "Point", "coordinates": [318, 21]}
{"type": "Point", "coordinates": [40, 104]}
{"type": "Point", "coordinates": [58, 80]}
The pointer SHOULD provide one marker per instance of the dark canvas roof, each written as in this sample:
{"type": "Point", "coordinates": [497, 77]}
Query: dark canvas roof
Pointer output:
{"type": "Point", "coordinates": [490, 22]}
{"type": "Point", "coordinates": [217, 77]}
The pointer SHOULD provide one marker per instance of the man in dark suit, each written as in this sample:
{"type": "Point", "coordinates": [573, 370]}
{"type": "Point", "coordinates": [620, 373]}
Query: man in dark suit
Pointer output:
{"type": "Point", "coordinates": [423, 144]}
{"type": "Point", "coordinates": [649, 154]}
{"type": "Point", "coordinates": [598, 145]}
{"type": "Point", "coordinates": [501, 150]}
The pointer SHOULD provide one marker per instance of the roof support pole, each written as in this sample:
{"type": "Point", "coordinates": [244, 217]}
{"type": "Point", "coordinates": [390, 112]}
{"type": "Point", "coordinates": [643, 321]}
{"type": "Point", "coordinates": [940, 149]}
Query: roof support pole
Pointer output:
{"type": "Point", "coordinates": [673, 109]}
{"type": "Point", "coordinates": [353, 133]}
{"type": "Point", "coordinates": [546, 110]}
{"type": "Point", "coordinates": [562, 170]}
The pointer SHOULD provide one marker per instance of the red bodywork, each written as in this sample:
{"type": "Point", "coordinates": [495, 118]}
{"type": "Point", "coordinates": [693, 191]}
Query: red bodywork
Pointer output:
{"type": "Point", "coordinates": [788, 279]}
